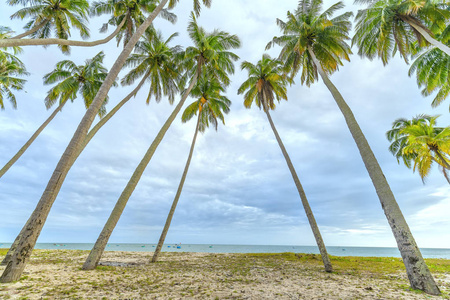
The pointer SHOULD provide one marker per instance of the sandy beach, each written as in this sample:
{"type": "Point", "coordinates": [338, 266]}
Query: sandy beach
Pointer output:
{"type": "Point", "coordinates": [56, 274]}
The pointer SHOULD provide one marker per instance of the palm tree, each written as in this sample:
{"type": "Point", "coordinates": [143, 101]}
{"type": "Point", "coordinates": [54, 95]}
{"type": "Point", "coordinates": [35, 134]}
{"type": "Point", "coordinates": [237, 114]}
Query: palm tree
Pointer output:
{"type": "Point", "coordinates": [30, 232]}
{"type": "Point", "coordinates": [154, 55]}
{"type": "Point", "coordinates": [265, 83]}
{"type": "Point", "coordinates": [49, 16]}
{"type": "Point", "coordinates": [83, 79]}
{"type": "Point", "coordinates": [432, 70]}
{"type": "Point", "coordinates": [10, 69]}
{"type": "Point", "coordinates": [390, 25]}
{"type": "Point", "coordinates": [129, 14]}
{"type": "Point", "coordinates": [316, 43]}
{"type": "Point", "coordinates": [53, 41]}
{"type": "Point", "coordinates": [211, 54]}
{"type": "Point", "coordinates": [420, 141]}
{"type": "Point", "coordinates": [399, 140]}
{"type": "Point", "coordinates": [210, 106]}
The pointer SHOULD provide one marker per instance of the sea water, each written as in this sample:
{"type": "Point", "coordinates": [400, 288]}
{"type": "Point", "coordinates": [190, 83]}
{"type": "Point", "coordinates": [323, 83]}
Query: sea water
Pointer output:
{"type": "Point", "coordinates": [213, 248]}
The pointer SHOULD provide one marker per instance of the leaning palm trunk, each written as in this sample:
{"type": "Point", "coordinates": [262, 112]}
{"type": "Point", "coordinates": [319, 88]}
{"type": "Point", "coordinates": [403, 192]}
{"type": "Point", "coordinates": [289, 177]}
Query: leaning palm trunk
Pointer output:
{"type": "Point", "coordinates": [16, 41]}
{"type": "Point", "coordinates": [177, 196]}
{"type": "Point", "coordinates": [88, 138]}
{"type": "Point", "coordinates": [429, 38]}
{"type": "Point", "coordinates": [30, 141]}
{"type": "Point", "coordinates": [97, 251]}
{"type": "Point", "coordinates": [418, 273]}
{"type": "Point", "coordinates": [32, 30]}
{"type": "Point", "coordinates": [301, 192]}
{"type": "Point", "coordinates": [15, 266]}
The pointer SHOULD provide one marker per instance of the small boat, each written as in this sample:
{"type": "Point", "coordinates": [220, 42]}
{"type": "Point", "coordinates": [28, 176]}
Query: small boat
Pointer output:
{"type": "Point", "coordinates": [210, 246]}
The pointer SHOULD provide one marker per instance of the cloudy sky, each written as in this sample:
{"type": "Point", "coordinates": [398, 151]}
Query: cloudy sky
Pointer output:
{"type": "Point", "coordinates": [239, 189]}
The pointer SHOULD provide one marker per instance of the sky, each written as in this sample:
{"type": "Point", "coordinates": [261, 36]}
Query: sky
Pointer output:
{"type": "Point", "coordinates": [238, 189]}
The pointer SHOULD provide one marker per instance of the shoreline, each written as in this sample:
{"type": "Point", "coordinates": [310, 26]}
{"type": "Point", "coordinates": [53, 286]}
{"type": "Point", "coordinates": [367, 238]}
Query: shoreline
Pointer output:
{"type": "Point", "coordinates": [54, 274]}
{"type": "Point", "coordinates": [360, 251]}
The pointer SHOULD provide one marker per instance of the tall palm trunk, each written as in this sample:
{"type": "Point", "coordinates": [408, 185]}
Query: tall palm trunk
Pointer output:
{"type": "Point", "coordinates": [177, 196]}
{"type": "Point", "coordinates": [32, 30]}
{"type": "Point", "coordinates": [16, 41]}
{"type": "Point", "coordinates": [429, 38]}
{"type": "Point", "coordinates": [30, 141]}
{"type": "Point", "coordinates": [97, 251]}
{"type": "Point", "coordinates": [88, 138]}
{"type": "Point", "coordinates": [418, 273]}
{"type": "Point", "coordinates": [301, 192]}
{"type": "Point", "coordinates": [15, 266]}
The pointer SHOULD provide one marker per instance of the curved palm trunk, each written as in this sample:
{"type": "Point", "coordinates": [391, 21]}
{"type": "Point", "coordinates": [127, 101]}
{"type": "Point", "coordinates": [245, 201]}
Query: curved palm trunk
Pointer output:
{"type": "Point", "coordinates": [30, 141]}
{"type": "Point", "coordinates": [88, 138]}
{"type": "Point", "coordinates": [97, 251]}
{"type": "Point", "coordinates": [430, 39]}
{"type": "Point", "coordinates": [177, 196]}
{"type": "Point", "coordinates": [32, 30]}
{"type": "Point", "coordinates": [418, 273]}
{"type": "Point", "coordinates": [15, 266]}
{"type": "Point", "coordinates": [16, 41]}
{"type": "Point", "coordinates": [301, 192]}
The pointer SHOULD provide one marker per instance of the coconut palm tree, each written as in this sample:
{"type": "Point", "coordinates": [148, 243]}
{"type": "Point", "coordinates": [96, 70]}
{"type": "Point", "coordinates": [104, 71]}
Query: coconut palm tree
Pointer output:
{"type": "Point", "coordinates": [129, 14]}
{"type": "Point", "coordinates": [432, 70]}
{"type": "Point", "coordinates": [56, 16]}
{"type": "Point", "coordinates": [210, 106]}
{"type": "Point", "coordinates": [152, 54]}
{"type": "Point", "coordinates": [420, 141]}
{"type": "Point", "coordinates": [74, 79]}
{"type": "Point", "coordinates": [30, 232]}
{"type": "Point", "coordinates": [266, 83]}
{"type": "Point", "coordinates": [52, 41]}
{"type": "Point", "coordinates": [11, 68]}
{"type": "Point", "coordinates": [399, 140]}
{"type": "Point", "coordinates": [209, 54]}
{"type": "Point", "coordinates": [316, 43]}
{"type": "Point", "coordinates": [386, 26]}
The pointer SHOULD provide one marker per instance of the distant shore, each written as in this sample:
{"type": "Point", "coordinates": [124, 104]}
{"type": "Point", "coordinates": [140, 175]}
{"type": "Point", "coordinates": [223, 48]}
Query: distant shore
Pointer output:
{"type": "Point", "coordinates": [56, 274]}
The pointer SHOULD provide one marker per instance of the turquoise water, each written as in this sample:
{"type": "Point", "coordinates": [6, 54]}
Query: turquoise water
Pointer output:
{"type": "Point", "coordinates": [332, 250]}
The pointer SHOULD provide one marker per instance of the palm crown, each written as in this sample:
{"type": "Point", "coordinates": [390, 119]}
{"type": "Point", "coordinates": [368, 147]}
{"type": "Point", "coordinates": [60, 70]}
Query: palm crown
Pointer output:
{"type": "Point", "coordinates": [10, 68]}
{"type": "Point", "coordinates": [399, 140]}
{"type": "Point", "coordinates": [54, 16]}
{"type": "Point", "coordinates": [309, 30]}
{"type": "Point", "coordinates": [432, 70]}
{"type": "Point", "coordinates": [156, 60]}
{"type": "Point", "coordinates": [85, 79]}
{"type": "Point", "coordinates": [265, 83]}
{"type": "Point", "coordinates": [210, 103]}
{"type": "Point", "coordinates": [386, 26]}
{"type": "Point", "coordinates": [428, 143]}
{"type": "Point", "coordinates": [419, 141]}
{"type": "Point", "coordinates": [130, 10]}
{"type": "Point", "coordinates": [210, 50]}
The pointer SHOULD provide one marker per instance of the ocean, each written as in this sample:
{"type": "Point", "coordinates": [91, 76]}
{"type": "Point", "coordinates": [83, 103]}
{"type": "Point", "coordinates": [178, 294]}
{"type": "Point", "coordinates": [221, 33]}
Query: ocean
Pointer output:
{"type": "Point", "coordinates": [213, 248]}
